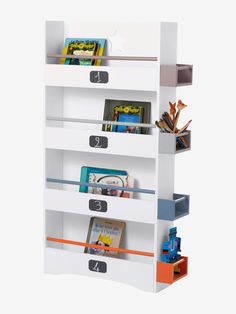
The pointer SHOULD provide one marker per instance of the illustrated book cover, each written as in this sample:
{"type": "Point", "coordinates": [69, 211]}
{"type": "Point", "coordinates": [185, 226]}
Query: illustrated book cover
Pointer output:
{"type": "Point", "coordinates": [133, 114]}
{"type": "Point", "coordinates": [104, 232]}
{"type": "Point", "coordinates": [107, 177]}
{"type": "Point", "coordinates": [83, 46]}
{"type": "Point", "coordinates": [126, 111]}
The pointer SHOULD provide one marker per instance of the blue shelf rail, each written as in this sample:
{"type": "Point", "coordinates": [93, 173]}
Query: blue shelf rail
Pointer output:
{"type": "Point", "coordinates": [98, 185]}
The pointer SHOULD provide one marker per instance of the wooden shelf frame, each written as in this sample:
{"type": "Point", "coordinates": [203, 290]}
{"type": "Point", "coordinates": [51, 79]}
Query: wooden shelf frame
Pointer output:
{"type": "Point", "coordinates": [139, 76]}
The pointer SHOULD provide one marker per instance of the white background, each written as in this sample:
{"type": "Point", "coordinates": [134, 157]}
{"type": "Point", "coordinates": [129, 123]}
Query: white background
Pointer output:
{"type": "Point", "coordinates": [206, 36]}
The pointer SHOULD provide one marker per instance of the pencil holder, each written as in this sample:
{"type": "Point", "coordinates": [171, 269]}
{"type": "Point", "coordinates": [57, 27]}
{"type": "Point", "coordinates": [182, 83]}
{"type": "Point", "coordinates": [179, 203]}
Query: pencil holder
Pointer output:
{"type": "Point", "coordinates": [172, 143]}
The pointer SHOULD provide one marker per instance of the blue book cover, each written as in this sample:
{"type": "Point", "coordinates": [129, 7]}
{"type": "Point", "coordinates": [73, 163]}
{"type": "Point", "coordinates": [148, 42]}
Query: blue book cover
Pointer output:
{"type": "Point", "coordinates": [127, 117]}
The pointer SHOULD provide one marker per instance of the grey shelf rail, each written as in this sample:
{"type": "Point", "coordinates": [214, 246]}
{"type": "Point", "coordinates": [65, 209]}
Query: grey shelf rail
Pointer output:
{"type": "Point", "coordinates": [91, 121]}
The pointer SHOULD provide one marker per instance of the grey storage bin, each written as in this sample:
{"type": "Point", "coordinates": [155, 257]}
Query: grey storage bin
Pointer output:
{"type": "Point", "coordinates": [167, 142]}
{"type": "Point", "coordinates": [173, 209]}
{"type": "Point", "coordinates": [176, 75]}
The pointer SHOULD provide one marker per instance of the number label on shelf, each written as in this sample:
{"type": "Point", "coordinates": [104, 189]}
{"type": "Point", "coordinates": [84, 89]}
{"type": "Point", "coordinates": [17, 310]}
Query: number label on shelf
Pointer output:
{"type": "Point", "coordinates": [99, 77]}
{"type": "Point", "coordinates": [98, 141]}
{"type": "Point", "coordinates": [98, 266]}
{"type": "Point", "coordinates": [98, 205]}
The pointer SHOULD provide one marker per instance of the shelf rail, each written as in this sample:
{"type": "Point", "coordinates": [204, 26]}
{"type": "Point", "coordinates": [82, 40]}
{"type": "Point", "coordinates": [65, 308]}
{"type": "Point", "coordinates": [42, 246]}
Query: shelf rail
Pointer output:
{"type": "Point", "coordinates": [100, 247]}
{"type": "Point", "coordinates": [91, 121]}
{"type": "Point", "coordinates": [117, 58]}
{"type": "Point", "coordinates": [98, 185]}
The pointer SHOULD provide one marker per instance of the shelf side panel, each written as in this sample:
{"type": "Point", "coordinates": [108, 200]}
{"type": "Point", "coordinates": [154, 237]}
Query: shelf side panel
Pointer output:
{"type": "Point", "coordinates": [54, 39]}
{"type": "Point", "coordinates": [168, 52]}
{"type": "Point", "coordinates": [165, 163]}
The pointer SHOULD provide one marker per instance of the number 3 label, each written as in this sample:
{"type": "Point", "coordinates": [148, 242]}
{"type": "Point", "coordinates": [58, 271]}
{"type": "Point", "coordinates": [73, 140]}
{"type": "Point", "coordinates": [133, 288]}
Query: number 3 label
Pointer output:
{"type": "Point", "coordinates": [98, 205]}
{"type": "Point", "coordinates": [98, 141]}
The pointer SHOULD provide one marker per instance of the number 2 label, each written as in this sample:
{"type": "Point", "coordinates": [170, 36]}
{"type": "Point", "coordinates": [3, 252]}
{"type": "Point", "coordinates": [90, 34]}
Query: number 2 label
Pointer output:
{"type": "Point", "coordinates": [98, 141]}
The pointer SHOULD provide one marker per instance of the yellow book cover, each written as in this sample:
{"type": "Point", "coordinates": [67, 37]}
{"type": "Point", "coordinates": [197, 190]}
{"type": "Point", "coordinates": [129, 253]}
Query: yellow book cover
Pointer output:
{"type": "Point", "coordinates": [83, 46]}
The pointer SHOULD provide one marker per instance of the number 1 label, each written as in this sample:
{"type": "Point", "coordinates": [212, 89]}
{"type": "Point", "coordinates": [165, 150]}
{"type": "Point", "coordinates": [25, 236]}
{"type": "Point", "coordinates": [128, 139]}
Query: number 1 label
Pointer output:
{"type": "Point", "coordinates": [99, 77]}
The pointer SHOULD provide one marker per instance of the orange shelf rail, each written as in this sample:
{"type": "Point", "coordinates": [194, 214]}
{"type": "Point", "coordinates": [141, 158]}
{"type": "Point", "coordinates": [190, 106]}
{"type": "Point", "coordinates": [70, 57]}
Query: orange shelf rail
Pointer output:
{"type": "Point", "coordinates": [95, 246]}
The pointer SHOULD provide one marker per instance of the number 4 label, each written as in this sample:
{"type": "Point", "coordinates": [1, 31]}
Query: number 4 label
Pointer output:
{"type": "Point", "coordinates": [97, 266]}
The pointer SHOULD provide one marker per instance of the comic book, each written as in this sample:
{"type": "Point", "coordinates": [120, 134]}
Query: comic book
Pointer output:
{"type": "Point", "coordinates": [133, 114]}
{"type": "Point", "coordinates": [126, 111]}
{"type": "Point", "coordinates": [104, 232]}
{"type": "Point", "coordinates": [107, 177]}
{"type": "Point", "coordinates": [83, 46]}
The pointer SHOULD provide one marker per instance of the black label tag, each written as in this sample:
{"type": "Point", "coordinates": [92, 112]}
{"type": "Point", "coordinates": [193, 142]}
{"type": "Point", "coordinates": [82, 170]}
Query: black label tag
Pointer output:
{"type": "Point", "coordinates": [99, 77]}
{"type": "Point", "coordinates": [98, 266]}
{"type": "Point", "coordinates": [98, 141]}
{"type": "Point", "coordinates": [98, 205]}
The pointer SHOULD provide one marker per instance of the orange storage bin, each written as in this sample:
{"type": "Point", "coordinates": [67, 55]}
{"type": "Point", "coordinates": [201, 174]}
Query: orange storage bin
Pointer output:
{"type": "Point", "coordinates": [171, 272]}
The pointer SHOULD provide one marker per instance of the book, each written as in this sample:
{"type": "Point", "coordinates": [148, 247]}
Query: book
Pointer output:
{"type": "Point", "coordinates": [116, 180]}
{"type": "Point", "coordinates": [104, 232]}
{"type": "Point", "coordinates": [106, 177]}
{"type": "Point", "coordinates": [133, 114]}
{"type": "Point", "coordinates": [83, 46]}
{"type": "Point", "coordinates": [126, 111]}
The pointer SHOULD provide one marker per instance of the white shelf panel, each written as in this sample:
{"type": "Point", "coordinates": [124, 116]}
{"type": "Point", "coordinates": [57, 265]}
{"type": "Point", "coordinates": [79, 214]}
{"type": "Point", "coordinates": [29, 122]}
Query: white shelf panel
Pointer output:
{"type": "Point", "coordinates": [117, 207]}
{"type": "Point", "coordinates": [125, 78]}
{"type": "Point", "coordinates": [140, 275]}
{"type": "Point", "coordinates": [136, 145]}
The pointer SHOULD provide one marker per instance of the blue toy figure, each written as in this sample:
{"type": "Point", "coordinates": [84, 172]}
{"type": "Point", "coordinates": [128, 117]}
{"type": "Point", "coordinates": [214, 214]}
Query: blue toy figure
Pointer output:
{"type": "Point", "coordinates": [171, 248]}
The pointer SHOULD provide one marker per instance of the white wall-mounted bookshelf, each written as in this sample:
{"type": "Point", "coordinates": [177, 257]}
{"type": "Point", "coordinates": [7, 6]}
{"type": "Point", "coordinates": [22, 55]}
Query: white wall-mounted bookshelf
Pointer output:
{"type": "Point", "coordinates": [74, 112]}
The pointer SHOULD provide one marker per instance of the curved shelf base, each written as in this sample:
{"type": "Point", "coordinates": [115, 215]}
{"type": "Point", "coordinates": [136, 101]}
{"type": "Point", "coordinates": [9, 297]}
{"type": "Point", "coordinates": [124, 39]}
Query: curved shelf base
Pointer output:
{"type": "Point", "coordinates": [139, 275]}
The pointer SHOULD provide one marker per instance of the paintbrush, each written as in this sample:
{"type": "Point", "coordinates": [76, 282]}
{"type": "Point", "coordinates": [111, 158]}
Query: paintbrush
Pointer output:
{"type": "Point", "coordinates": [180, 107]}
{"type": "Point", "coordinates": [184, 128]}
